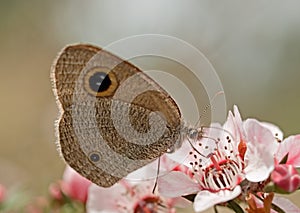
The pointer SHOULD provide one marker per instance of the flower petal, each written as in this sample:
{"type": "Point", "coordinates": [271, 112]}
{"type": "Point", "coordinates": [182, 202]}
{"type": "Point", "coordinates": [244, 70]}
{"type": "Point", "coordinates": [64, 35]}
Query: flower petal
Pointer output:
{"type": "Point", "coordinates": [104, 199]}
{"type": "Point", "coordinates": [180, 155]}
{"type": "Point", "coordinates": [180, 202]}
{"type": "Point", "coordinates": [259, 167]}
{"type": "Point", "coordinates": [286, 177]}
{"type": "Point", "coordinates": [76, 185]}
{"type": "Point", "coordinates": [149, 171]}
{"type": "Point", "coordinates": [206, 199]}
{"type": "Point", "coordinates": [234, 125]}
{"type": "Point", "coordinates": [176, 184]}
{"type": "Point", "coordinates": [274, 129]}
{"type": "Point", "coordinates": [257, 133]}
{"type": "Point", "coordinates": [261, 147]}
{"type": "Point", "coordinates": [238, 120]}
{"type": "Point", "coordinates": [290, 145]}
{"type": "Point", "coordinates": [286, 205]}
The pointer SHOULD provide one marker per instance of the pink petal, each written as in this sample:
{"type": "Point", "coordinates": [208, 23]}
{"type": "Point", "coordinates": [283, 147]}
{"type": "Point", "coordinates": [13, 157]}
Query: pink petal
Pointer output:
{"type": "Point", "coordinates": [274, 129]}
{"type": "Point", "coordinates": [290, 145]}
{"type": "Point", "coordinates": [180, 202]}
{"type": "Point", "coordinates": [104, 199]}
{"type": "Point", "coordinates": [150, 170]}
{"type": "Point", "coordinates": [180, 155]}
{"type": "Point", "coordinates": [261, 147]}
{"type": "Point", "coordinates": [54, 190]}
{"type": "Point", "coordinates": [257, 133]}
{"type": "Point", "coordinates": [238, 120]}
{"type": "Point", "coordinates": [286, 177]}
{"type": "Point", "coordinates": [206, 199]}
{"type": "Point", "coordinates": [77, 185]}
{"type": "Point", "coordinates": [286, 205]}
{"type": "Point", "coordinates": [259, 166]}
{"type": "Point", "coordinates": [176, 184]}
{"type": "Point", "coordinates": [234, 125]}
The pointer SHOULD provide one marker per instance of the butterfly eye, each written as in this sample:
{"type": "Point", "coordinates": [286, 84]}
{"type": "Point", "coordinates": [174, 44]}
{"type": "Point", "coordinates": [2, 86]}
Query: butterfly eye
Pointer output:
{"type": "Point", "coordinates": [100, 82]}
{"type": "Point", "coordinates": [192, 134]}
{"type": "Point", "coordinates": [94, 157]}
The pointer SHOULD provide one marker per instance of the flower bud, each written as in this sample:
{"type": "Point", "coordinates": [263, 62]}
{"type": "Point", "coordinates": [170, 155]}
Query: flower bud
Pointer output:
{"type": "Point", "coordinates": [55, 191]}
{"type": "Point", "coordinates": [286, 177]}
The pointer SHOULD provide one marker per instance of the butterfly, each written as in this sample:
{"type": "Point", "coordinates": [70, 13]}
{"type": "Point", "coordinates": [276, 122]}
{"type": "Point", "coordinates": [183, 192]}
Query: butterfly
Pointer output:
{"type": "Point", "coordinates": [113, 118]}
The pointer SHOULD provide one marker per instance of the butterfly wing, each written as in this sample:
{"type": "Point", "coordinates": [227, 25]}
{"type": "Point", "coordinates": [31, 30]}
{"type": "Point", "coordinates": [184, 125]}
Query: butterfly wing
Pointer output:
{"type": "Point", "coordinates": [113, 119]}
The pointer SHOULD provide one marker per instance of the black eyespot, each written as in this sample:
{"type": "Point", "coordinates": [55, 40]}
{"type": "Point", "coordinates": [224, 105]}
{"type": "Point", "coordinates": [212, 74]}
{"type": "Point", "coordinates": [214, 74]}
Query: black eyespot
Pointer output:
{"type": "Point", "coordinates": [99, 82]}
{"type": "Point", "coordinates": [94, 157]}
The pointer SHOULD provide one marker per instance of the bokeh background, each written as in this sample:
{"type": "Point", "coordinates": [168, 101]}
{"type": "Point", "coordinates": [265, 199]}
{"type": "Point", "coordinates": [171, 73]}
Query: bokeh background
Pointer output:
{"type": "Point", "coordinates": [254, 47]}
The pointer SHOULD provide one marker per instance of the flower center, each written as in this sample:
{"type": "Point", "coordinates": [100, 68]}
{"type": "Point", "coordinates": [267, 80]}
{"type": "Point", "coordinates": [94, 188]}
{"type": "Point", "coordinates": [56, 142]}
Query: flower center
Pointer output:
{"type": "Point", "coordinates": [225, 176]}
{"type": "Point", "coordinates": [222, 169]}
{"type": "Point", "coordinates": [149, 204]}
{"type": "Point", "coordinates": [220, 175]}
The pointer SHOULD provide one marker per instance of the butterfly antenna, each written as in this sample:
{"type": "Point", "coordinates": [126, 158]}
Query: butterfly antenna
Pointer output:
{"type": "Point", "coordinates": [157, 173]}
{"type": "Point", "coordinates": [208, 106]}
{"type": "Point", "coordinates": [194, 148]}
{"type": "Point", "coordinates": [218, 128]}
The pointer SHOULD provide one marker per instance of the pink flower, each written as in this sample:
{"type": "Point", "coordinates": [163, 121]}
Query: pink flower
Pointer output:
{"type": "Point", "coordinates": [55, 190]}
{"type": "Point", "coordinates": [2, 193]}
{"type": "Point", "coordinates": [286, 177]}
{"type": "Point", "coordinates": [129, 195]}
{"type": "Point", "coordinates": [74, 185]}
{"type": "Point", "coordinates": [222, 157]}
{"type": "Point", "coordinates": [289, 147]}
{"type": "Point", "coordinates": [257, 144]}
{"type": "Point", "coordinates": [125, 197]}
{"type": "Point", "coordinates": [38, 205]}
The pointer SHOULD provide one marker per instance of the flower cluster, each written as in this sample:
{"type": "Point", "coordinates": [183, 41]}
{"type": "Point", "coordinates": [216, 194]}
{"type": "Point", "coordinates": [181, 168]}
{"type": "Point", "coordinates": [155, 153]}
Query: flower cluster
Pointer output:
{"type": "Point", "coordinates": [246, 162]}
{"type": "Point", "coordinates": [238, 162]}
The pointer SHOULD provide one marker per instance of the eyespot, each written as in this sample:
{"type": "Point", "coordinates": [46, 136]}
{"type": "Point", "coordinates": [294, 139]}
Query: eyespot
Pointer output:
{"type": "Point", "coordinates": [100, 82]}
{"type": "Point", "coordinates": [94, 157]}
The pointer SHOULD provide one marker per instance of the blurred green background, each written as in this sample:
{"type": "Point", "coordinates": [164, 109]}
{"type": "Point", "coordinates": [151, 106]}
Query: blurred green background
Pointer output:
{"type": "Point", "coordinates": [254, 47]}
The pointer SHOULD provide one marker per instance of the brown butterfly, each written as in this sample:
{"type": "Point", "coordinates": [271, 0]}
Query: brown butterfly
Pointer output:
{"type": "Point", "coordinates": [113, 118]}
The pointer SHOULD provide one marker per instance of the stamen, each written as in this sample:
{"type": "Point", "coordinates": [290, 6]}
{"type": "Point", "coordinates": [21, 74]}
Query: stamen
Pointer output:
{"type": "Point", "coordinates": [215, 163]}
{"type": "Point", "coordinates": [225, 179]}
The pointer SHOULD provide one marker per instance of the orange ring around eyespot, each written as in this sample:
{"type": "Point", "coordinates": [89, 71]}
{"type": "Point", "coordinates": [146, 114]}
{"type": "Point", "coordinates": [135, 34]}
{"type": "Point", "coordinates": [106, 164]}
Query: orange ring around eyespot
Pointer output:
{"type": "Point", "coordinates": [112, 87]}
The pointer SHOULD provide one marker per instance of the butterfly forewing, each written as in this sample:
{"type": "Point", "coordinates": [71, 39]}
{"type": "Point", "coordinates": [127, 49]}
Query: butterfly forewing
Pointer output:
{"type": "Point", "coordinates": [114, 119]}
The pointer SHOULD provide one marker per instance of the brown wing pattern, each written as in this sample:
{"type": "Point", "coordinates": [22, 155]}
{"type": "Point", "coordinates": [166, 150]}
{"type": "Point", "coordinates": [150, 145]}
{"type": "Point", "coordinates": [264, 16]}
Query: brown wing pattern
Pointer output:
{"type": "Point", "coordinates": [107, 133]}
